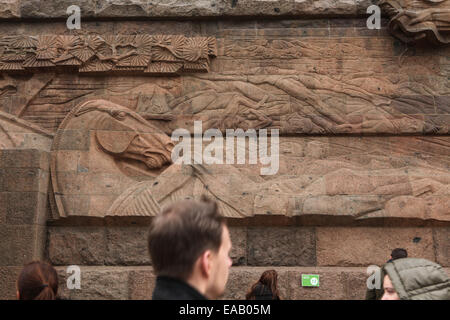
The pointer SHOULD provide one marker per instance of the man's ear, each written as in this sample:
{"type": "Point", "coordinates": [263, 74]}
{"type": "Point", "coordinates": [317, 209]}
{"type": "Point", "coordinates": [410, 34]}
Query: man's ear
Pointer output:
{"type": "Point", "coordinates": [205, 263]}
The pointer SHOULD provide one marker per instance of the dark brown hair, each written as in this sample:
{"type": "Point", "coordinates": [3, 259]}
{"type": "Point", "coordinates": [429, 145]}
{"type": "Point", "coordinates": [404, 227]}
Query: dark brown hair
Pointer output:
{"type": "Point", "coordinates": [269, 279]}
{"type": "Point", "coordinates": [399, 253]}
{"type": "Point", "coordinates": [37, 281]}
{"type": "Point", "coordinates": [181, 233]}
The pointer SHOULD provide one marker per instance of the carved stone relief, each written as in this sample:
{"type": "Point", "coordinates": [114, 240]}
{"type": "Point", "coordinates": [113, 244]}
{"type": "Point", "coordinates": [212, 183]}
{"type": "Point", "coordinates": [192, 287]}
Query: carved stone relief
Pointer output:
{"type": "Point", "coordinates": [142, 53]}
{"type": "Point", "coordinates": [97, 151]}
{"type": "Point", "coordinates": [108, 160]}
{"type": "Point", "coordinates": [294, 102]}
{"type": "Point", "coordinates": [16, 133]}
{"type": "Point", "coordinates": [111, 152]}
{"type": "Point", "coordinates": [362, 184]}
{"type": "Point", "coordinates": [413, 20]}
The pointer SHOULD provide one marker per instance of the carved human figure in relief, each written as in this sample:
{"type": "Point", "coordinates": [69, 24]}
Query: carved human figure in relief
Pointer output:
{"type": "Point", "coordinates": [108, 160]}
{"type": "Point", "coordinates": [413, 20]}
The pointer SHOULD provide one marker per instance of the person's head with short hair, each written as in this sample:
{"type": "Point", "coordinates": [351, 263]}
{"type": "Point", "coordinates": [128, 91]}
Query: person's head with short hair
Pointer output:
{"type": "Point", "coordinates": [37, 281]}
{"type": "Point", "coordinates": [399, 253]}
{"type": "Point", "coordinates": [190, 241]}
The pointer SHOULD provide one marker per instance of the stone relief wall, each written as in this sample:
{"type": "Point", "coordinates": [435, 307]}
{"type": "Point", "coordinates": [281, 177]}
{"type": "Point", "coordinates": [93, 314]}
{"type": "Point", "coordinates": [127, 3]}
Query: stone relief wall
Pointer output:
{"type": "Point", "coordinates": [107, 160]}
{"type": "Point", "coordinates": [111, 151]}
{"type": "Point", "coordinates": [364, 119]}
{"type": "Point", "coordinates": [112, 97]}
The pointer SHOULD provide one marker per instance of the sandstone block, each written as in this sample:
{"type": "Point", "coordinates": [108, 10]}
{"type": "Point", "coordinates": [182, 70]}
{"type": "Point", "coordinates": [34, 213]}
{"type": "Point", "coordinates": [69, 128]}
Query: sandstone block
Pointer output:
{"type": "Point", "coordinates": [240, 280]}
{"type": "Point", "coordinates": [9, 9]}
{"type": "Point", "coordinates": [21, 244]}
{"type": "Point", "coordinates": [77, 245]}
{"type": "Point", "coordinates": [53, 9]}
{"type": "Point", "coordinates": [3, 205]}
{"type": "Point", "coordinates": [27, 158]}
{"type": "Point", "coordinates": [127, 246]}
{"type": "Point", "coordinates": [97, 283]}
{"type": "Point", "coordinates": [8, 276]}
{"type": "Point", "coordinates": [238, 252]}
{"type": "Point", "coordinates": [441, 238]}
{"type": "Point", "coordinates": [185, 9]}
{"type": "Point", "coordinates": [25, 180]}
{"type": "Point", "coordinates": [367, 246]}
{"type": "Point", "coordinates": [335, 284]}
{"type": "Point", "coordinates": [142, 284]}
{"type": "Point", "coordinates": [26, 208]}
{"type": "Point", "coordinates": [281, 246]}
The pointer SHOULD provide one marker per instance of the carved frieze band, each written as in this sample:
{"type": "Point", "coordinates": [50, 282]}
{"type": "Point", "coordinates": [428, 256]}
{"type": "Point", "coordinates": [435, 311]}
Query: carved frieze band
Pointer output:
{"type": "Point", "coordinates": [413, 20]}
{"type": "Point", "coordinates": [143, 53]}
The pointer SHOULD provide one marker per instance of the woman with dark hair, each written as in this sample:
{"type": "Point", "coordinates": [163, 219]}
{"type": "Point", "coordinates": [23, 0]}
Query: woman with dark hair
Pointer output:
{"type": "Point", "coordinates": [37, 281]}
{"type": "Point", "coordinates": [266, 287]}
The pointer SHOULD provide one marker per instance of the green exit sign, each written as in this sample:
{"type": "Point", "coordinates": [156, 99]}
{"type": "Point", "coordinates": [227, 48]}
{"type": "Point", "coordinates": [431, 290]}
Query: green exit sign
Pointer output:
{"type": "Point", "coordinates": [310, 280]}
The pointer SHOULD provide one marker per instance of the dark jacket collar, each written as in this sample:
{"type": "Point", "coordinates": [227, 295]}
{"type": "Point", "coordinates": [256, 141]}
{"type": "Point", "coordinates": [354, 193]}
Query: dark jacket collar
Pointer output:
{"type": "Point", "coordinates": [168, 288]}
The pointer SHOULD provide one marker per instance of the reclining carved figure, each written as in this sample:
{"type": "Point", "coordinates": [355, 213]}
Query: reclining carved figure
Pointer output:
{"type": "Point", "coordinates": [109, 161]}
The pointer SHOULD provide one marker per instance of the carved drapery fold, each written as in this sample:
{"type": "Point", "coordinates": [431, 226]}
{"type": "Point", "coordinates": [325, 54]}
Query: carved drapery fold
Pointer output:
{"type": "Point", "coordinates": [412, 20]}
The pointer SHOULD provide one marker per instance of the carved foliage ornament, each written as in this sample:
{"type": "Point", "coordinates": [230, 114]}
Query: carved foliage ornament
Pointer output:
{"type": "Point", "coordinates": [413, 20]}
{"type": "Point", "coordinates": [143, 53]}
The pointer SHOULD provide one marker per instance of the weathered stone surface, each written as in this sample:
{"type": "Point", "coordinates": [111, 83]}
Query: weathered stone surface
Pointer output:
{"type": "Point", "coordinates": [138, 283]}
{"type": "Point", "coordinates": [127, 246]}
{"type": "Point", "coordinates": [281, 246]}
{"type": "Point", "coordinates": [441, 237]}
{"type": "Point", "coordinates": [142, 284]}
{"type": "Point", "coordinates": [426, 19]}
{"type": "Point", "coordinates": [185, 9]}
{"type": "Point", "coordinates": [238, 252]}
{"type": "Point", "coordinates": [8, 276]}
{"type": "Point", "coordinates": [16, 133]}
{"type": "Point", "coordinates": [3, 203]}
{"type": "Point", "coordinates": [97, 283]}
{"type": "Point", "coordinates": [117, 246]}
{"type": "Point", "coordinates": [77, 246]}
{"type": "Point", "coordinates": [28, 158]}
{"type": "Point", "coordinates": [9, 9]}
{"type": "Point", "coordinates": [21, 244]}
{"type": "Point", "coordinates": [25, 180]}
{"type": "Point", "coordinates": [240, 280]}
{"type": "Point", "coordinates": [366, 246]}
{"type": "Point", "coordinates": [47, 9]}
{"type": "Point", "coordinates": [25, 208]}
{"type": "Point", "coordinates": [335, 283]}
